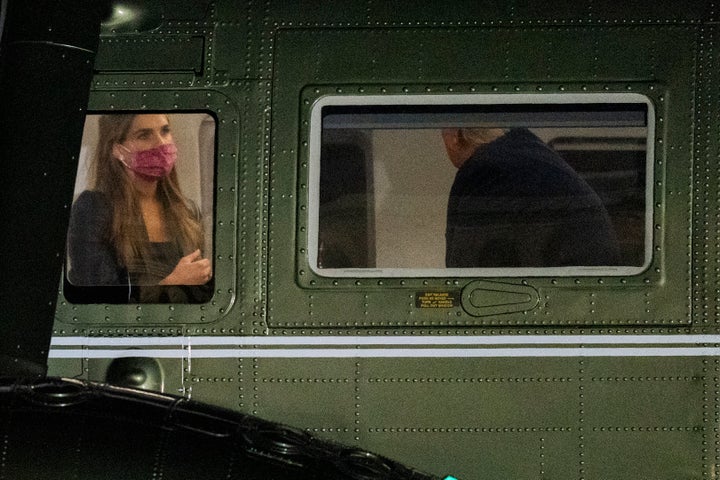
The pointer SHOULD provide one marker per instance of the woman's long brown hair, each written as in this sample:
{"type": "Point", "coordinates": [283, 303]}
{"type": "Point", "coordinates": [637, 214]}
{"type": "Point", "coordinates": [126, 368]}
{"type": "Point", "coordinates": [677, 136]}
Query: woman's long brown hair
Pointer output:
{"type": "Point", "coordinates": [128, 234]}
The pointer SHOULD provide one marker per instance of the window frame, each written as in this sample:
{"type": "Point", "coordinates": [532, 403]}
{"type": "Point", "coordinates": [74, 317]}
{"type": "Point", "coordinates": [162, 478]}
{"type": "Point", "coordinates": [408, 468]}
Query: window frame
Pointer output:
{"type": "Point", "coordinates": [450, 100]}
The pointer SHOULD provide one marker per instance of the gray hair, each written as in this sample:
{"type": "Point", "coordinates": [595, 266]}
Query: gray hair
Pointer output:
{"type": "Point", "coordinates": [483, 135]}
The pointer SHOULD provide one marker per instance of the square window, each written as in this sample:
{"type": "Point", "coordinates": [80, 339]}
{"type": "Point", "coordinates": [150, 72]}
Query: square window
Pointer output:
{"type": "Point", "coordinates": [141, 226]}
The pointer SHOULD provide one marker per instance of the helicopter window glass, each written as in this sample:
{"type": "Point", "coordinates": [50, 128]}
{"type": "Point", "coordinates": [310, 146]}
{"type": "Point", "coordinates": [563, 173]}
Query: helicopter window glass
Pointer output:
{"type": "Point", "coordinates": [141, 223]}
{"type": "Point", "coordinates": [472, 185]}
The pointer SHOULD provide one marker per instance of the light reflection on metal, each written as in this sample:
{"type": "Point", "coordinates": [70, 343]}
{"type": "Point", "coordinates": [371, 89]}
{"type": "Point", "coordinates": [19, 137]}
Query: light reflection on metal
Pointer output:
{"type": "Point", "coordinates": [133, 16]}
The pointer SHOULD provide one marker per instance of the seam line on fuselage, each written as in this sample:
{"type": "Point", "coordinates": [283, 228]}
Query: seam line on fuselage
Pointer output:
{"type": "Point", "coordinates": [390, 340]}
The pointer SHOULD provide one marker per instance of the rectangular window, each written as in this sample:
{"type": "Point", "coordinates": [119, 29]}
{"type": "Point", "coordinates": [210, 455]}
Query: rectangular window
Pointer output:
{"type": "Point", "coordinates": [480, 185]}
{"type": "Point", "coordinates": [141, 226]}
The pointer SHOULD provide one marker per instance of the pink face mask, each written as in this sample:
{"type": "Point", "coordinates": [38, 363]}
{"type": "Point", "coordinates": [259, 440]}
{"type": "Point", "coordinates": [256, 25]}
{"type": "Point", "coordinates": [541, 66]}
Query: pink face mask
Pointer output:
{"type": "Point", "coordinates": [153, 163]}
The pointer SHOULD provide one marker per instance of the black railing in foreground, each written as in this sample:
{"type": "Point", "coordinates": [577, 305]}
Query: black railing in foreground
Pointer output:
{"type": "Point", "coordinates": [61, 428]}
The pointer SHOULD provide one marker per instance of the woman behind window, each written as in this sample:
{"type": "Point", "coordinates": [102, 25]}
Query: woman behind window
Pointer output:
{"type": "Point", "coordinates": [134, 233]}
